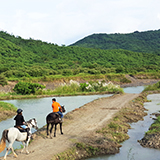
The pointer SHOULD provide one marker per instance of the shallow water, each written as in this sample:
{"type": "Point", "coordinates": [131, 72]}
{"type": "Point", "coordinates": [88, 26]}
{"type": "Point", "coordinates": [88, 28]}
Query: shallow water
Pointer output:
{"type": "Point", "coordinates": [137, 89]}
{"type": "Point", "coordinates": [131, 149]}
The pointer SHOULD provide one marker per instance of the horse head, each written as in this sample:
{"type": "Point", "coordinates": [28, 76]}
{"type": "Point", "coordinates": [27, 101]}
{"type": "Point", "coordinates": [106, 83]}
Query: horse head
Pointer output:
{"type": "Point", "coordinates": [33, 123]}
{"type": "Point", "coordinates": [63, 109]}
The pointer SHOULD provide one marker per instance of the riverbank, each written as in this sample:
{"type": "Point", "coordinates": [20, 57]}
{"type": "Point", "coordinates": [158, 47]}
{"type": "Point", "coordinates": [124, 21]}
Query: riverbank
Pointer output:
{"type": "Point", "coordinates": [7, 110]}
{"type": "Point", "coordinates": [132, 82]}
{"type": "Point", "coordinates": [151, 138]}
{"type": "Point", "coordinates": [86, 131]}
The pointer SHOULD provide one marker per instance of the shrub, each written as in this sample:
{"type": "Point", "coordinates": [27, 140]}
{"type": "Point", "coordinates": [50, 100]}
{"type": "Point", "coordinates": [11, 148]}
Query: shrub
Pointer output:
{"type": "Point", "coordinates": [27, 88]}
{"type": "Point", "coordinates": [83, 86]}
{"type": "Point", "coordinates": [3, 80]}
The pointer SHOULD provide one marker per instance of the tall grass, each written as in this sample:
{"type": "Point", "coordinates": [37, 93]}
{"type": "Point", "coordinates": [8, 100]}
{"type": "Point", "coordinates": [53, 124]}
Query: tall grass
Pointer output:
{"type": "Point", "coordinates": [91, 87]}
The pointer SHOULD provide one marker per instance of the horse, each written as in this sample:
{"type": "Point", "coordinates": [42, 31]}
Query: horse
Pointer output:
{"type": "Point", "coordinates": [13, 134]}
{"type": "Point", "coordinates": [53, 119]}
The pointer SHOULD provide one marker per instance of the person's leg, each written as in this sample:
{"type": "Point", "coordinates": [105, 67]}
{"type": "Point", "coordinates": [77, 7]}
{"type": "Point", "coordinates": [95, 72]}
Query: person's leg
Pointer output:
{"type": "Point", "coordinates": [24, 126]}
{"type": "Point", "coordinates": [60, 114]}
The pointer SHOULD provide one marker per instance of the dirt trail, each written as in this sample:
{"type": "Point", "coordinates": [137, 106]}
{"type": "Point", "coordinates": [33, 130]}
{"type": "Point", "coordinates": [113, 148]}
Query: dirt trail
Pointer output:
{"type": "Point", "coordinates": [83, 122]}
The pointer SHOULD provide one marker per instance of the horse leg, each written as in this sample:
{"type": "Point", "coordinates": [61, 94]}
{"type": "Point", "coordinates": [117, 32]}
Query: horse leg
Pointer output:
{"type": "Point", "coordinates": [14, 152]}
{"type": "Point", "coordinates": [61, 128]}
{"type": "Point", "coordinates": [10, 147]}
{"type": "Point", "coordinates": [23, 147]}
{"type": "Point", "coordinates": [51, 130]}
{"type": "Point", "coordinates": [27, 145]}
{"type": "Point", "coordinates": [55, 130]}
{"type": "Point", "coordinates": [47, 128]}
{"type": "Point", "coordinates": [6, 153]}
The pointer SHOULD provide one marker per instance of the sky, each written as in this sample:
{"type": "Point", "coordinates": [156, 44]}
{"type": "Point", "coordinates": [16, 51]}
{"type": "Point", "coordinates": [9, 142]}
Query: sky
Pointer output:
{"type": "Point", "coordinates": [64, 22]}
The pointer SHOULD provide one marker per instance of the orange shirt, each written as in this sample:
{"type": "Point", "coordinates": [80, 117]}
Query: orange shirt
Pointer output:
{"type": "Point", "coordinates": [55, 106]}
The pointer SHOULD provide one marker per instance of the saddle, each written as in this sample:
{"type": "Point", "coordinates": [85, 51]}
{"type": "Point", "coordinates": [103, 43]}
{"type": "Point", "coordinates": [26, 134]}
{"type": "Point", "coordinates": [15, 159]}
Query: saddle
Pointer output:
{"type": "Point", "coordinates": [21, 129]}
{"type": "Point", "coordinates": [58, 115]}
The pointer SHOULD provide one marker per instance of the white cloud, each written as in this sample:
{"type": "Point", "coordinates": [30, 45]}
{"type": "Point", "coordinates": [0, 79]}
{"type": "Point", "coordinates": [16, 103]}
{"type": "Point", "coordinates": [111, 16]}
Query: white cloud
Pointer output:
{"type": "Point", "coordinates": [66, 21]}
{"type": "Point", "coordinates": [37, 16]}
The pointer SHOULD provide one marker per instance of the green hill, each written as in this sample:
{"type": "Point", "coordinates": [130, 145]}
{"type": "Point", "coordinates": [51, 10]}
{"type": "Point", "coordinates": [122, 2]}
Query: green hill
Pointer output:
{"type": "Point", "coordinates": [20, 58]}
{"type": "Point", "coordinates": [146, 42]}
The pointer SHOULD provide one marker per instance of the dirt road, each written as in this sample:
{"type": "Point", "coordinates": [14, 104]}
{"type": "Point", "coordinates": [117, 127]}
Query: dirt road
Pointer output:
{"type": "Point", "coordinates": [80, 123]}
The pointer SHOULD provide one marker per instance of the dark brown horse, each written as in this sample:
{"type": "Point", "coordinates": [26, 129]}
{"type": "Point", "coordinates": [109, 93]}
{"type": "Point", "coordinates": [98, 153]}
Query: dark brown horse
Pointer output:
{"type": "Point", "coordinates": [53, 119]}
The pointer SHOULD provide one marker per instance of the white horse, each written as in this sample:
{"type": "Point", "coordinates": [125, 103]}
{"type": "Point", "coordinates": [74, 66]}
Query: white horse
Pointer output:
{"type": "Point", "coordinates": [13, 134]}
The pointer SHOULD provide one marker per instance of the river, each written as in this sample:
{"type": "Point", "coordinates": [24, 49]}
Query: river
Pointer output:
{"type": "Point", "coordinates": [130, 150]}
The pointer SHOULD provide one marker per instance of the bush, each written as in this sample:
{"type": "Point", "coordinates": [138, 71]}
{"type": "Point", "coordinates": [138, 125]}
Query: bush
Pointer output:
{"type": "Point", "coordinates": [27, 88]}
{"type": "Point", "coordinates": [3, 80]}
{"type": "Point", "coordinates": [153, 87]}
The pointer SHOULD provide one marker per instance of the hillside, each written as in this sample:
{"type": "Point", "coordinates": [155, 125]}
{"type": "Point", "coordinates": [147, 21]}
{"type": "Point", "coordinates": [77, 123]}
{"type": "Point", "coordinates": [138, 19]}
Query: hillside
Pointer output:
{"type": "Point", "coordinates": [20, 58]}
{"type": "Point", "coordinates": [147, 42]}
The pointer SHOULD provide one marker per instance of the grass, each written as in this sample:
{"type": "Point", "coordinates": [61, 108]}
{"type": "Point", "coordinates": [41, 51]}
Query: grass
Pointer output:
{"type": "Point", "coordinates": [7, 110]}
{"type": "Point", "coordinates": [148, 75]}
{"type": "Point", "coordinates": [155, 127]}
{"type": "Point", "coordinates": [7, 107]}
{"type": "Point", "coordinates": [153, 87]}
{"type": "Point", "coordinates": [84, 76]}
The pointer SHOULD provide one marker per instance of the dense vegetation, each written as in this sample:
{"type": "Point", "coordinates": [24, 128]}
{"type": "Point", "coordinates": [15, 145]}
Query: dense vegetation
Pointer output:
{"type": "Point", "coordinates": [23, 59]}
{"type": "Point", "coordinates": [146, 42]}
{"type": "Point", "coordinates": [27, 88]}
{"type": "Point", "coordinates": [153, 87]}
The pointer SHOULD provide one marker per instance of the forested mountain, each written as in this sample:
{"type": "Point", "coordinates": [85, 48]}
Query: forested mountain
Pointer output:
{"type": "Point", "coordinates": [33, 58]}
{"type": "Point", "coordinates": [146, 42]}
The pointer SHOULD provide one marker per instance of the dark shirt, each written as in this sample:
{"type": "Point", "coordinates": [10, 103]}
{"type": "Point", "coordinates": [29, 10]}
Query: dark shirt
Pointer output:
{"type": "Point", "coordinates": [19, 120]}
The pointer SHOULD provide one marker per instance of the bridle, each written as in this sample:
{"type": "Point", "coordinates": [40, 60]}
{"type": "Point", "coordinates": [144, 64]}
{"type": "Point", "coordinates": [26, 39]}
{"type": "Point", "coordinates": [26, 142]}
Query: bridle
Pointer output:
{"type": "Point", "coordinates": [33, 125]}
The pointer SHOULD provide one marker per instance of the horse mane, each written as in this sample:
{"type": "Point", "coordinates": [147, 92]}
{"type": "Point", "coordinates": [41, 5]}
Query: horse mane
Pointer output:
{"type": "Point", "coordinates": [29, 121]}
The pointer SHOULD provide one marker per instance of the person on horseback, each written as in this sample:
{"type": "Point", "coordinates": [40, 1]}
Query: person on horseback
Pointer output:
{"type": "Point", "coordinates": [20, 122]}
{"type": "Point", "coordinates": [56, 108]}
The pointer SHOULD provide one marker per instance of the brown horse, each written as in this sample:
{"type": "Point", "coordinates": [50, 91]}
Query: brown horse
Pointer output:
{"type": "Point", "coordinates": [53, 119]}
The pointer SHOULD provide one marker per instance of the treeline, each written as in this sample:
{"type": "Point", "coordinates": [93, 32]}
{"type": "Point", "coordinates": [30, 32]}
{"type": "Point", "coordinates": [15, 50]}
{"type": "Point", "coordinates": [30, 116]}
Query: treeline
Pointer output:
{"type": "Point", "coordinates": [20, 58]}
{"type": "Point", "coordinates": [146, 42]}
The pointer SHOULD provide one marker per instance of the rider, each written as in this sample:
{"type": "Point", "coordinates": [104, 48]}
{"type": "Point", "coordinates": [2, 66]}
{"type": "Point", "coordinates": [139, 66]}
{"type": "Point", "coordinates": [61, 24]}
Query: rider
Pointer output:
{"type": "Point", "coordinates": [56, 108]}
{"type": "Point", "coordinates": [20, 121]}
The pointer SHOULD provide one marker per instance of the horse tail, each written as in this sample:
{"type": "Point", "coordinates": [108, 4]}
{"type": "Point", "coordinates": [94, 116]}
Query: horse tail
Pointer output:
{"type": "Point", "coordinates": [3, 140]}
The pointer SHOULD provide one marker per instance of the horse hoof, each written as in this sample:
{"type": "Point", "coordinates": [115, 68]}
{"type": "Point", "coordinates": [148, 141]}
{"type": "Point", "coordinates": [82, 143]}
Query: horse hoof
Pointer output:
{"type": "Point", "coordinates": [61, 133]}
